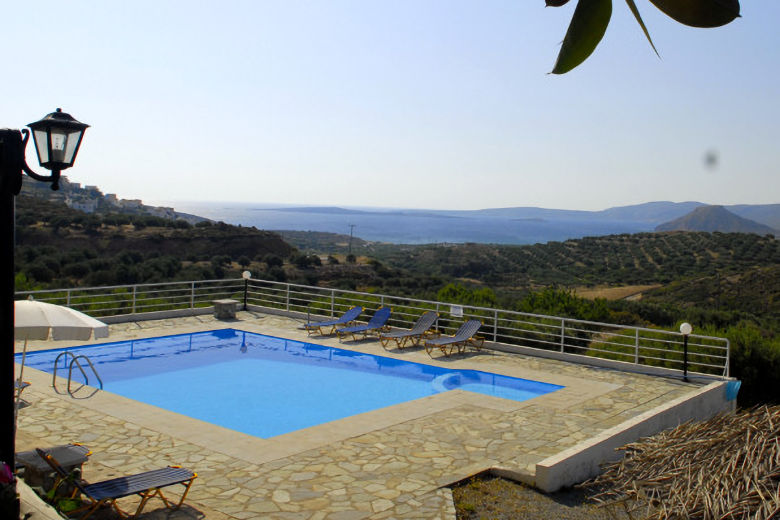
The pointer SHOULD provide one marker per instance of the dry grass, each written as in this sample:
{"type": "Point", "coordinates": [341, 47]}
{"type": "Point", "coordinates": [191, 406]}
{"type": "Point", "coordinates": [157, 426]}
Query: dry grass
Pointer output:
{"type": "Point", "coordinates": [724, 468]}
{"type": "Point", "coordinates": [613, 293]}
{"type": "Point", "coordinates": [485, 497]}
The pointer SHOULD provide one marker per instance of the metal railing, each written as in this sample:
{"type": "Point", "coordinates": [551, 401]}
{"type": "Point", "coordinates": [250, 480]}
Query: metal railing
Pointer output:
{"type": "Point", "coordinates": [117, 300]}
{"type": "Point", "coordinates": [629, 344]}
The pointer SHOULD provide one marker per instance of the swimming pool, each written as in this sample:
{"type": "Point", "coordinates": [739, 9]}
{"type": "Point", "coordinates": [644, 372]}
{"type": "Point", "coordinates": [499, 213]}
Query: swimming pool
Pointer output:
{"type": "Point", "coordinates": [267, 386]}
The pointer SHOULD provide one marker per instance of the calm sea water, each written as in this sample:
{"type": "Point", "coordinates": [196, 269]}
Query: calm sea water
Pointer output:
{"type": "Point", "coordinates": [412, 227]}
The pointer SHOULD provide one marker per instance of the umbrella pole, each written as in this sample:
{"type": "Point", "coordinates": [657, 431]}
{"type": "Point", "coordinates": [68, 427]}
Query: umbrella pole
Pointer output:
{"type": "Point", "coordinates": [19, 387]}
{"type": "Point", "coordinates": [24, 356]}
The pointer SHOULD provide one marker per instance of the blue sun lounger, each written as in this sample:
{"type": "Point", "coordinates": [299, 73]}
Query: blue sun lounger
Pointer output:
{"type": "Point", "coordinates": [415, 334]}
{"type": "Point", "coordinates": [345, 319]}
{"type": "Point", "coordinates": [465, 336]}
{"type": "Point", "coordinates": [146, 485]}
{"type": "Point", "coordinates": [377, 323]}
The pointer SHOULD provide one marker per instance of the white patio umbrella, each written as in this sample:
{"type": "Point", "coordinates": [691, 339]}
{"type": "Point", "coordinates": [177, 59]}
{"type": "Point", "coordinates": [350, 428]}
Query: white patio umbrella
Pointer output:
{"type": "Point", "coordinates": [40, 320]}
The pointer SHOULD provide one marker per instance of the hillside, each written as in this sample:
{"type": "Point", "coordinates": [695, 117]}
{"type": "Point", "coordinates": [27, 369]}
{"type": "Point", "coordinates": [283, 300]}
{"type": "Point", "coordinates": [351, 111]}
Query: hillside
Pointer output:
{"type": "Point", "coordinates": [322, 243]}
{"type": "Point", "coordinates": [90, 199]}
{"type": "Point", "coordinates": [755, 291]}
{"type": "Point", "coordinates": [643, 258]}
{"type": "Point", "coordinates": [54, 242]}
{"type": "Point", "coordinates": [715, 218]}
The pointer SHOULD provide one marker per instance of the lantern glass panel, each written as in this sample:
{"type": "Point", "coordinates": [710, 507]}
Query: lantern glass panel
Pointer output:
{"type": "Point", "coordinates": [74, 138]}
{"type": "Point", "coordinates": [42, 145]}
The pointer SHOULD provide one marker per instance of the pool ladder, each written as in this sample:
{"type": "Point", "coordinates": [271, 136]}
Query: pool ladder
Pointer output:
{"type": "Point", "coordinates": [75, 362]}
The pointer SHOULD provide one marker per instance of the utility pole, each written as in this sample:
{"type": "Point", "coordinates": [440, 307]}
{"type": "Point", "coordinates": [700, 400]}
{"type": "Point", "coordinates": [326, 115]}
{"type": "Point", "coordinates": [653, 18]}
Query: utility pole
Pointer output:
{"type": "Point", "coordinates": [351, 228]}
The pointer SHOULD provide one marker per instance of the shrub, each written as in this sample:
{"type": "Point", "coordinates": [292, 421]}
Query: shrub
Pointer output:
{"type": "Point", "coordinates": [76, 270]}
{"type": "Point", "coordinates": [40, 273]}
{"type": "Point", "coordinates": [273, 261]}
{"type": "Point", "coordinates": [755, 360]}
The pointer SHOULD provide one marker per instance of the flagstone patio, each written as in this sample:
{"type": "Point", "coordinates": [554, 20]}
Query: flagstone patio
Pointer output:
{"type": "Point", "coordinates": [390, 463]}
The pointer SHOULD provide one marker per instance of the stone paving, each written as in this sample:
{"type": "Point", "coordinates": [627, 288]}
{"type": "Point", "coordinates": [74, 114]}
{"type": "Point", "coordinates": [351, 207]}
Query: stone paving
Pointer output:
{"type": "Point", "coordinates": [390, 463]}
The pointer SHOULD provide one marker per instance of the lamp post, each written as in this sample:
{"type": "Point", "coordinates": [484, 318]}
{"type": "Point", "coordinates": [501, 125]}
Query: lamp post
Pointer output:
{"type": "Point", "coordinates": [57, 140]}
{"type": "Point", "coordinates": [246, 275]}
{"type": "Point", "coordinates": [685, 330]}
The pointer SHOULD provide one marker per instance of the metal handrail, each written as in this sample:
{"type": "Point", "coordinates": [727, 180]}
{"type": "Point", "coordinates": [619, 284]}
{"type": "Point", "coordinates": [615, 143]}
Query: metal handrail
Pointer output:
{"type": "Point", "coordinates": [631, 344]}
{"type": "Point", "coordinates": [74, 361]}
{"type": "Point", "coordinates": [65, 353]}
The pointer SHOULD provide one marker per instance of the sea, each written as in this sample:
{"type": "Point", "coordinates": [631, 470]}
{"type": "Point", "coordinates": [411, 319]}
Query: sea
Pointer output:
{"type": "Point", "coordinates": [414, 226]}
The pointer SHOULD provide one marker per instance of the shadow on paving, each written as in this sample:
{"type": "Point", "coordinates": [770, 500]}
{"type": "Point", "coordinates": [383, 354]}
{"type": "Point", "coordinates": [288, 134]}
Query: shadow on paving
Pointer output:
{"type": "Point", "coordinates": [151, 513]}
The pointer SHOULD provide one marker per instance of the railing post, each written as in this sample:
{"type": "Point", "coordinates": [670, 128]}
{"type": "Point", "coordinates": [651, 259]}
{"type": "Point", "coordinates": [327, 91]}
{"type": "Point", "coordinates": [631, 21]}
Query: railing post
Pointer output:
{"type": "Point", "coordinates": [67, 298]}
{"type": "Point", "coordinates": [636, 347]}
{"type": "Point", "coordinates": [563, 333]}
{"type": "Point", "coordinates": [495, 326]}
{"type": "Point", "coordinates": [728, 351]}
{"type": "Point", "coordinates": [332, 303]}
{"type": "Point", "coordinates": [287, 299]}
{"type": "Point", "coordinates": [135, 287]}
{"type": "Point", "coordinates": [192, 295]}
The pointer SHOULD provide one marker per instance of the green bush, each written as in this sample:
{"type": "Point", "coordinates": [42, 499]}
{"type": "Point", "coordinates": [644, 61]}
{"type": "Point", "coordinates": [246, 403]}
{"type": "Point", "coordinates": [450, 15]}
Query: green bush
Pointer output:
{"type": "Point", "coordinates": [755, 360]}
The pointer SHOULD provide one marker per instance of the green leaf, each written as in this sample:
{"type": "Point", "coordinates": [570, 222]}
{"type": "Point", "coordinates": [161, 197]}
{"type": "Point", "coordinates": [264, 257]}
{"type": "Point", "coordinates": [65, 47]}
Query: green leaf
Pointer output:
{"type": "Point", "coordinates": [586, 29]}
{"type": "Point", "coordinates": [632, 6]}
{"type": "Point", "coordinates": [700, 13]}
{"type": "Point", "coordinates": [555, 3]}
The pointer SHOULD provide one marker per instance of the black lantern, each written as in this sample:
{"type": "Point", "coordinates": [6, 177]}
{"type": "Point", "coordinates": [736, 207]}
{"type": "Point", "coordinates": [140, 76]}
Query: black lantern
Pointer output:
{"type": "Point", "coordinates": [57, 139]}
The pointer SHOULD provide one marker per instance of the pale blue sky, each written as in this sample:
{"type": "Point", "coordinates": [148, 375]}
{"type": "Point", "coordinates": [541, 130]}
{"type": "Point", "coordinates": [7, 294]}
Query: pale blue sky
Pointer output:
{"type": "Point", "coordinates": [405, 103]}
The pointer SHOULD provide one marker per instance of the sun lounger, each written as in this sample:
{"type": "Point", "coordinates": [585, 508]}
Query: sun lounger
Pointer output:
{"type": "Point", "coordinates": [377, 323]}
{"type": "Point", "coordinates": [415, 334]}
{"type": "Point", "coordinates": [19, 386]}
{"type": "Point", "coordinates": [345, 319]}
{"type": "Point", "coordinates": [465, 336]}
{"type": "Point", "coordinates": [146, 485]}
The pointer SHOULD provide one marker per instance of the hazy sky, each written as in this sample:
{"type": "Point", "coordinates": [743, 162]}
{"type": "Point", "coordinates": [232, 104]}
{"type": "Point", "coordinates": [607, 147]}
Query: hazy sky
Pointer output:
{"type": "Point", "coordinates": [403, 103]}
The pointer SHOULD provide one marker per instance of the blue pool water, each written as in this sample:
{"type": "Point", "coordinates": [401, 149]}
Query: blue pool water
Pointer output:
{"type": "Point", "coordinates": [266, 386]}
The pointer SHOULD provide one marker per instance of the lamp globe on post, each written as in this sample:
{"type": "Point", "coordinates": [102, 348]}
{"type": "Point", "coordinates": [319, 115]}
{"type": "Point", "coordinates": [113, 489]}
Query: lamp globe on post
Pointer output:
{"type": "Point", "coordinates": [685, 330]}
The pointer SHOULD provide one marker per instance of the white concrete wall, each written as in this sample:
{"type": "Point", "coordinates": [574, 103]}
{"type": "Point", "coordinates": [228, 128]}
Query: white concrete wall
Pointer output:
{"type": "Point", "coordinates": [584, 460]}
{"type": "Point", "coordinates": [596, 361]}
{"type": "Point", "coordinates": [159, 315]}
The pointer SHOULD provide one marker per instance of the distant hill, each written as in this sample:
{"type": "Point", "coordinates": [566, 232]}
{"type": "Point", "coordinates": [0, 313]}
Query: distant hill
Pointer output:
{"type": "Point", "coordinates": [715, 218]}
{"type": "Point", "coordinates": [656, 212]}
{"type": "Point", "coordinates": [660, 211]}
{"type": "Point", "coordinates": [768, 214]}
